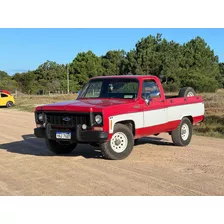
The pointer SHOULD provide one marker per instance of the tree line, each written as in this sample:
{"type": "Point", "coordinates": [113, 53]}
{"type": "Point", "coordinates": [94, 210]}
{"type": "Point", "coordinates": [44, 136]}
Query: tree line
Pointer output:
{"type": "Point", "coordinates": [190, 64]}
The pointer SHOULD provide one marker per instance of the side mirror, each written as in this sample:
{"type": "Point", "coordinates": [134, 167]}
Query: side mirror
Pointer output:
{"type": "Point", "coordinates": [152, 95]}
{"type": "Point", "coordinates": [147, 100]}
{"type": "Point", "coordinates": [155, 94]}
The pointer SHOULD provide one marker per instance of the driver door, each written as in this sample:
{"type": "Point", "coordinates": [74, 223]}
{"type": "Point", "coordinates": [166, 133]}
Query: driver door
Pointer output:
{"type": "Point", "coordinates": [155, 113]}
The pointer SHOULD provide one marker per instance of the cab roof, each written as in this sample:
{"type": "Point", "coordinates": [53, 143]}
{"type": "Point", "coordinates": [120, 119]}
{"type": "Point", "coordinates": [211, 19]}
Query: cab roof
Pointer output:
{"type": "Point", "coordinates": [126, 76]}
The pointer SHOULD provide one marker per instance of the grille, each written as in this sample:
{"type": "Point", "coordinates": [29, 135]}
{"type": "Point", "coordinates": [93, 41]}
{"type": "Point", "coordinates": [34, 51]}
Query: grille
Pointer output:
{"type": "Point", "coordinates": [68, 120]}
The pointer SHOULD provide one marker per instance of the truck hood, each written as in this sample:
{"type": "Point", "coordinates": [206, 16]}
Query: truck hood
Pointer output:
{"type": "Point", "coordinates": [84, 105]}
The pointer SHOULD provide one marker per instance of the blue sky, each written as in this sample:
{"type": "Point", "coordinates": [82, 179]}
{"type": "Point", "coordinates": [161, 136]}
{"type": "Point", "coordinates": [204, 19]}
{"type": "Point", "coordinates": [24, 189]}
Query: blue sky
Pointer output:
{"type": "Point", "coordinates": [26, 49]}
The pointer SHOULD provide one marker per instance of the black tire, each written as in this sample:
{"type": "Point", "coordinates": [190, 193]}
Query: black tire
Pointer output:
{"type": "Point", "coordinates": [9, 104]}
{"type": "Point", "coordinates": [60, 147]}
{"type": "Point", "coordinates": [177, 136]}
{"type": "Point", "coordinates": [187, 92]}
{"type": "Point", "coordinates": [109, 153]}
{"type": "Point", "coordinates": [136, 141]}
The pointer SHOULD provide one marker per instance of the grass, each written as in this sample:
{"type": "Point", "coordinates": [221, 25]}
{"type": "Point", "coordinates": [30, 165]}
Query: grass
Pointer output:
{"type": "Point", "coordinates": [29, 103]}
{"type": "Point", "coordinates": [213, 125]}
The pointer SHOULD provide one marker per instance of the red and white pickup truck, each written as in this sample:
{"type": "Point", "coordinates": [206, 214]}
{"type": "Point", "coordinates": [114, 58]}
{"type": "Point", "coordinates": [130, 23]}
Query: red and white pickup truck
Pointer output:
{"type": "Point", "coordinates": [112, 112]}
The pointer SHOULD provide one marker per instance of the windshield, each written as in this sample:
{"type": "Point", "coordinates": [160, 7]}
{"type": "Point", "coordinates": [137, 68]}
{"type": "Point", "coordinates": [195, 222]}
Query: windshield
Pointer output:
{"type": "Point", "coordinates": [111, 88]}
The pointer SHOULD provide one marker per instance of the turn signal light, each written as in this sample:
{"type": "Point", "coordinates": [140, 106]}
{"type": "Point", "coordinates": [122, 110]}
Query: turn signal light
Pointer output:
{"type": "Point", "coordinates": [97, 128]}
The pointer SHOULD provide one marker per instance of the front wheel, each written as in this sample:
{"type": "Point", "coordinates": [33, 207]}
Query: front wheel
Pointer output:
{"type": "Point", "coordinates": [120, 145]}
{"type": "Point", "coordinates": [182, 135]}
{"type": "Point", "coordinates": [60, 147]}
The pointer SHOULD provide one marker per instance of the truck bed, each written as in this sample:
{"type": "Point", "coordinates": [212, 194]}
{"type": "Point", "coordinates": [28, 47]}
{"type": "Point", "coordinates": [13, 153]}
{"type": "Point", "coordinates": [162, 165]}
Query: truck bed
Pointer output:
{"type": "Point", "coordinates": [171, 96]}
{"type": "Point", "coordinates": [178, 107]}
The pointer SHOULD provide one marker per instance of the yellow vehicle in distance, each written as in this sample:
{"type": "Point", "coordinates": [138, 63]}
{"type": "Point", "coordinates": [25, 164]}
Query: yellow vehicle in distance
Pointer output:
{"type": "Point", "coordinates": [6, 99]}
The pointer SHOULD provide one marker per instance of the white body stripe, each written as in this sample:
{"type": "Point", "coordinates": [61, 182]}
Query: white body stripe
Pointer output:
{"type": "Point", "coordinates": [178, 112]}
{"type": "Point", "coordinates": [155, 117]}
{"type": "Point", "coordinates": [159, 116]}
{"type": "Point", "coordinates": [136, 117]}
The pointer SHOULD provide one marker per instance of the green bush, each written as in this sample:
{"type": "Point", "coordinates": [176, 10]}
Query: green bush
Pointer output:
{"type": "Point", "coordinates": [171, 87]}
{"type": "Point", "coordinates": [201, 83]}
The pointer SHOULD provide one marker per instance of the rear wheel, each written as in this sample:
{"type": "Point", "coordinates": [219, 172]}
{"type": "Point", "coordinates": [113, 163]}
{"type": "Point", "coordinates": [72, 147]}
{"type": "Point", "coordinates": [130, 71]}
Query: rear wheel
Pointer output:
{"type": "Point", "coordinates": [182, 135]}
{"type": "Point", "coordinates": [9, 104]}
{"type": "Point", "coordinates": [120, 145]}
{"type": "Point", "coordinates": [60, 147]}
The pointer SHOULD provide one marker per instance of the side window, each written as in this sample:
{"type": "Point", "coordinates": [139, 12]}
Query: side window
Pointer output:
{"type": "Point", "coordinates": [148, 87]}
{"type": "Point", "coordinates": [3, 95]}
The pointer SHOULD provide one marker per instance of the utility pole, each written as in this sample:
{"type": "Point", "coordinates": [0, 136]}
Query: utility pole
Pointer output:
{"type": "Point", "coordinates": [67, 78]}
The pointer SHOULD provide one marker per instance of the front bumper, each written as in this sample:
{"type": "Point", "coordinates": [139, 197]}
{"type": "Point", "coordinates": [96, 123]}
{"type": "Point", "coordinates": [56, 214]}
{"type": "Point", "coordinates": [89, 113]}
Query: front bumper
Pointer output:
{"type": "Point", "coordinates": [77, 134]}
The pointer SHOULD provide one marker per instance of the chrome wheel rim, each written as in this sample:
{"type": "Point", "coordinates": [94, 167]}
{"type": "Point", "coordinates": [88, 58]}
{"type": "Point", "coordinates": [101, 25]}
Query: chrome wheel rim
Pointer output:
{"type": "Point", "coordinates": [9, 104]}
{"type": "Point", "coordinates": [185, 132]}
{"type": "Point", "coordinates": [119, 142]}
{"type": "Point", "coordinates": [190, 94]}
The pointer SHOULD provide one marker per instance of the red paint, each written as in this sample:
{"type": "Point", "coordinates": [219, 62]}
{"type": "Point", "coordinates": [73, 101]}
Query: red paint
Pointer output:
{"type": "Point", "coordinates": [85, 105]}
{"type": "Point", "coordinates": [112, 107]}
{"type": "Point", "coordinates": [5, 91]}
{"type": "Point", "coordinates": [198, 119]}
{"type": "Point", "coordinates": [157, 129]}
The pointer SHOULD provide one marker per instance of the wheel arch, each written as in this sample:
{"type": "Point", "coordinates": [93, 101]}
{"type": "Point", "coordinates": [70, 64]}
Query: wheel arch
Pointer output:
{"type": "Point", "coordinates": [189, 117]}
{"type": "Point", "coordinates": [129, 123]}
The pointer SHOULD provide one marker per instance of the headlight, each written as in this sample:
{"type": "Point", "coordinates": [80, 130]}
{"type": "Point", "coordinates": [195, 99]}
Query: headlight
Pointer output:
{"type": "Point", "coordinates": [40, 117]}
{"type": "Point", "coordinates": [98, 119]}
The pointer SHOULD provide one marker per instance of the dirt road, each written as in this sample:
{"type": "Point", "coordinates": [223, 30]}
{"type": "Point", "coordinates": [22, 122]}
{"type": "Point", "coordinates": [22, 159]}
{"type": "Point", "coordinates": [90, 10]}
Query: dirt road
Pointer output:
{"type": "Point", "coordinates": [155, 167]}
